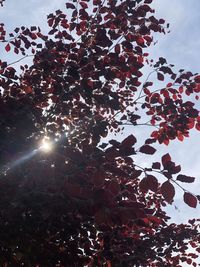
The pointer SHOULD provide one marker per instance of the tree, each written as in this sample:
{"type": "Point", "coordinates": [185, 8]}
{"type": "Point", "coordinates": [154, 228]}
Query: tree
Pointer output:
{"type": "Point", "coordinates": [87, 203]}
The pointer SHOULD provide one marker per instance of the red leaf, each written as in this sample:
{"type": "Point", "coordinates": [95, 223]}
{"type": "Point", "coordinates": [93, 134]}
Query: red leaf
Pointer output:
{"type": "Point", "coordinates": [197, 126]}
{"type": "Point", "coordinates": [84, 5]}
{"type": "Point", "coordinates": [144, 185]}
{"type": "Point", "coordinates": [185, 178]}
{"type": "Point", "coordinates": [150, 141]}
{"type": "Point", "coordinates": [167, 174]}
{"type": "Point", "coordinates": [16, 50]}
{"type": "Point", "coordinates": [190, 199]}
{"type": "Point", "coordinates": [169, 84]}
{"type": "Point", "coordinates": [146, 91]}
{"type": "Point", "coordinates": [165, 159]}
{"type": "Point", "coordinates": [28, 90]}
{"type": "Point", "coordinates": [156, 165]}
{"type": "Point", "coordinates": [176, 169]}
{"type": "Point", "coordinates": [152, 183]}
{"type": "Point", "coordinates": [33, 36]}
{"type": "Point", "coordinates": [155, 134]}
{"type": "Point", "coordinates": [90, 83]}
{"type": "Point", "coordinates": [149, 183]}
{"type": "Point", "coordinates": [197, 79]}
{"type": "Point", "coordinates": [140, 40]}
{"type": "Point", "coordinates": [180, 89]}
{"type": "Point", "coordinates": [161, 21]}
{"type": "Point", "coordinates": [168, 191]}
{"type": "Point", "coordinates": [180, 137]}
{"type": "Point", "coordinates": [7, 47]}
{"type": "Point", "coordinates": [155, 219]}
{"type": "Point", "coordinates": [160, 76]}
{"type": "Point", "coordinates": [69, 5]}
{"type": "Point", "coordinates": [129, 141]}
{"type": "Point", "coordinates": [146, 149]}
{"type": "Point", "coordinates": [166, 142]}
{"type": "Point", "coordinates": [148, 38]}
{"type": "Point", "coordinates": [189, 261]}
{"type": "Point", "coordinates": [191, 123]}
{"type": "Point", "coordinates": [50, 22]}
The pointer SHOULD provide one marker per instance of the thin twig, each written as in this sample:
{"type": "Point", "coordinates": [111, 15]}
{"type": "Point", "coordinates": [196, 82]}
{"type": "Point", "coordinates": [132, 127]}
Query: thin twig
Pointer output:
{"type": "Point", "coordinates": [14, 62]}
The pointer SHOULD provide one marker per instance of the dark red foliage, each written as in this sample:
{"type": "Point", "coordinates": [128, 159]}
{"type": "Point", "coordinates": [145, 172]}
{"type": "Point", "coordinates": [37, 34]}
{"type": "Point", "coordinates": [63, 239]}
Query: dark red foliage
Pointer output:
{"type": "Point", "coordinates": [168, 191]}
{"type": "Point", "coordinates": [146, 149]}
{"type": "Point", "coordinates": [87, 202]}
{"type": "Point", "coordinates": [190, 199]}
{"type": "Point", "coordinates": [185, 178]}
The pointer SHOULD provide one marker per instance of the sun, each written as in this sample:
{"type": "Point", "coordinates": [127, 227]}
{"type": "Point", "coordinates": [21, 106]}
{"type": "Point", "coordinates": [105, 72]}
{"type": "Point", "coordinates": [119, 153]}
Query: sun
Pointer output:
{"type": "Point", "coordinates": [46, 145]}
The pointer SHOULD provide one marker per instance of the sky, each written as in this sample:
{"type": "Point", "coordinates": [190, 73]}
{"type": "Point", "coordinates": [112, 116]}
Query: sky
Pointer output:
{"type": "Point", "coordinates": [180, 47]}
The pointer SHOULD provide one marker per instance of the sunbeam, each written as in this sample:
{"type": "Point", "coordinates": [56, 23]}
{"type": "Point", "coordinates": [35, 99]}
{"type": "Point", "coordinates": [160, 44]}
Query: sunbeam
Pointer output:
{"type": "Point", "coordinates": [19, 161]}
{"type": "Point", "coordinates": [46, 145]}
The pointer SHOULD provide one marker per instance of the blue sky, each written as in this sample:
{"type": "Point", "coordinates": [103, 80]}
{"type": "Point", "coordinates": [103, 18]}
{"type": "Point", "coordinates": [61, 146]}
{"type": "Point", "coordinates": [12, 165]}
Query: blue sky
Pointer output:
{"type": "Point", "coordinates": [180, 47]}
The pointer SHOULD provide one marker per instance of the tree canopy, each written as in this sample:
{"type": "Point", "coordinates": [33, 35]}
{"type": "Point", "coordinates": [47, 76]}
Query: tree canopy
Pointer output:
{"type": "Point", "coordinates": [86, 202]}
